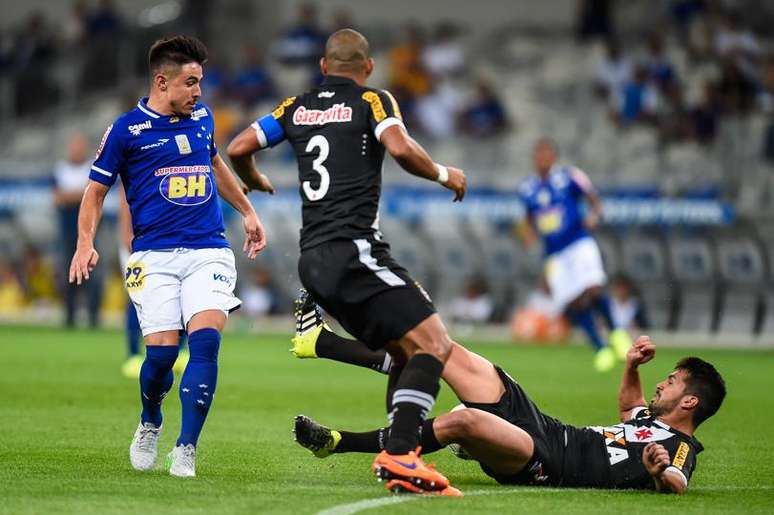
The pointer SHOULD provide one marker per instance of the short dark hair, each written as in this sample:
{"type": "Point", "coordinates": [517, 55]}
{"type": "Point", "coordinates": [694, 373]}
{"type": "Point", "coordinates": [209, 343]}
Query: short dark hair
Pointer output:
{"type": "Point", "coordinates": [703, 381]}
{"type": "Point", "coordinates": [177, 50]}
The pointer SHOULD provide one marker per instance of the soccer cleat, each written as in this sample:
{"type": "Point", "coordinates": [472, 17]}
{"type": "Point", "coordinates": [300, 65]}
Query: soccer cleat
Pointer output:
{"type": "Point", "coordinates": [315, 437]}
{"type": "Point", "coordinates": [181, 462]}
{"type": "Point", "coordinates": [399, 486]}
{"type": "Point", "coordinates": [131, 367]}
{"type": "Point", "coordinates": [604, 360]}
{"type": "Point", "coordinates": [181, 362]}
{"type": "Point", "coordinates": [309, 325]}
{"type": "Point", "coordinates": [144, 447]}
{"type": "Point", "coordinates": [409, 468]}
{"type": "Point", "coordinates": [620, 341]}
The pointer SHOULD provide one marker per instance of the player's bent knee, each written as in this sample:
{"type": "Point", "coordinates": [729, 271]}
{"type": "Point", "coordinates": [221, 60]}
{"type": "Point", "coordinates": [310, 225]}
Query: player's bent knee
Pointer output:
{"type": "Point", "coordinates": [458, 425]}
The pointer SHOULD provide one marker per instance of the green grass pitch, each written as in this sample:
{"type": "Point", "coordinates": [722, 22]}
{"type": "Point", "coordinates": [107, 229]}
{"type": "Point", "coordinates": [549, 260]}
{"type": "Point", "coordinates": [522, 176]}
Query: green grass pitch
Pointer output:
{"type": "Point", "coordinates": [68, 416]}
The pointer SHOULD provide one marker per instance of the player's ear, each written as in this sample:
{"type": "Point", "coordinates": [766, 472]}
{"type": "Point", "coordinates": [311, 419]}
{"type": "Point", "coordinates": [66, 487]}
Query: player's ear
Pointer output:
{"type": "Point", "coordinates": [323, 66]}
{"type": "Point", "coordinates": [689, 402]}
{"type": "Point", "coordinates": [369, 67]}
{"type": "Point", "coordinates": [160, 81]}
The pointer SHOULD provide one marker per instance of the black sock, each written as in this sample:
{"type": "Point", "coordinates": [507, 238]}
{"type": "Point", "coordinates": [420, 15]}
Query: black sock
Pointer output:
{"type": "Point", "coordinates": [427, 439]}
{"type": "Point", "coordinates": [392, 383]}
{"type": "Point", "coordinates": [374, 441]}
{"type": "Point", "coordinates": [370, 442]}
{"type": "Point", "coordinates": [413, 399]}
{"type": "Point", "coordinates": [332, 346]}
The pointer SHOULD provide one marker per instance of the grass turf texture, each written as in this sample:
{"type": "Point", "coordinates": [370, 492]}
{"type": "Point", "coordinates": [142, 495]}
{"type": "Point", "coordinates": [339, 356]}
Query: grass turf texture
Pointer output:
{"type": "Point", "coordinates": [68, 417]}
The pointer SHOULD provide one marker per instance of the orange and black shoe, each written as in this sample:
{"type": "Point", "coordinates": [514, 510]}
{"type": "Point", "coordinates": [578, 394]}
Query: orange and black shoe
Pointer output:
{"type": "Point", "coordinates": [408, 468]}
{"type": "Point", "coordinates": [399, 486]}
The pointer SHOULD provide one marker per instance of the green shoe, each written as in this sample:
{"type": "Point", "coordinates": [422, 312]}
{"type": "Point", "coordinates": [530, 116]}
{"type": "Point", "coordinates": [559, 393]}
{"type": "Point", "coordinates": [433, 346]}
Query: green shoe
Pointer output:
{"type": "Point", "coordinates": [315, 437]}
{"type": "Point", "coordinates": [604, 360]}
{"type": "Point", "coordinates": [620, 341]}
{"type": "Point", "coordinates": [309, 325]}
{"type": "Point", "coordinates": [131, 367]}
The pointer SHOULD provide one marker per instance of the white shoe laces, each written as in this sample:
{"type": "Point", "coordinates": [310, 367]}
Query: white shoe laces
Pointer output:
{"type": "Point", "coordinates": [146, 440]}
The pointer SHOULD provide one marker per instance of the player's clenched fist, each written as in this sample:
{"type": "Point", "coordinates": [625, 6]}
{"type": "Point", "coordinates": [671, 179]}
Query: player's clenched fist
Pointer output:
{"type": "Point", "coordinates": [84, 261]}
{"type": "Point", "coordinates": [255, 235]}
{"type": "Point", "coordinates": [641, 352]}
{"type": "Point", "coordinates": [456, 182]}
{"type": "Point", "coordinates": [655, 458]}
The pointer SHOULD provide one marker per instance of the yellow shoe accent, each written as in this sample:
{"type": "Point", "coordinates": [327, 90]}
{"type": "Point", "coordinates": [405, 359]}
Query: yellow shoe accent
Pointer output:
{"type": "Point", "coordinates": [304, 344]}
{"type": "Point", "coordinates": [326, 451]}
{"type": "Point", "coordinates": [131, 367]}
{"type": "Point", "coordinates": [604, 360]}
{"type": "Point", "coordinates": [620, 341]}
{"type": "Point", "coordinates": [181, 362]}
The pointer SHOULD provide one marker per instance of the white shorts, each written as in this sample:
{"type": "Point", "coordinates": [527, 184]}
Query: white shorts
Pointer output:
{"type": "Point", "coordinates": [168, 287]}
{"type": "Point", "coordinates": [573, 270]}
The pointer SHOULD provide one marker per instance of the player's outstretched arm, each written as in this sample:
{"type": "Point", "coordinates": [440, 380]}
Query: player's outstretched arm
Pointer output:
{"type": "Point", "coordinates": [630, 395]}
{"type": "Point", "coordinates": [240, 153]}
{"type": "Point", "coordinates": [229, 189]}
{"type": "Point", "coordinates": [414, 159]}
{"type": "Point", "coordinates": [86, 256]}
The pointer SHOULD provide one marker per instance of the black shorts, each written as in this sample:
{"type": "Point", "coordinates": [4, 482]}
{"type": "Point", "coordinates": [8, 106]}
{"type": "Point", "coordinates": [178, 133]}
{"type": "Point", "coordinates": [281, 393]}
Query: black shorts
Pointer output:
{"type": "Point", "coordinates": [361, 286]}
{"type": "Point", "coordinates": [548, 434]}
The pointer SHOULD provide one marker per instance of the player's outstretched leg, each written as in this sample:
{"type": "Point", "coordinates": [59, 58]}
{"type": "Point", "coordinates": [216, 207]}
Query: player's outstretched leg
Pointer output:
{"type": "Point", "coordinates": [197, 389]}
{"type": "Point", "coordinates": [619, 339]}
{"type": "Point", "coordinates": [155, 381]}
{"type": "Point", "coordinates": [604, 358]}
{"type": "Point", "coordinates": [314, 339]}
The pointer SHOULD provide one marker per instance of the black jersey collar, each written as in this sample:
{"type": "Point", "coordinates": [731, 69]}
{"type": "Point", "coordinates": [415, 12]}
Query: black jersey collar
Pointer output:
{"type": "Point", "coordinates": [338, 80]}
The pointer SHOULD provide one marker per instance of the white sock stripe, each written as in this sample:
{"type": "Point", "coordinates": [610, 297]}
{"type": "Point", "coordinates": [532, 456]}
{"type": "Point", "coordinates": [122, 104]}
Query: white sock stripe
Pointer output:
{"type": "Point", "coordinates": [308, 315]}
{"type": "Point", "coordinates": [308, 324]}
{"type": "Point", "coordinates": [422, 403]}
{"type": "Point", "coordinates": [417, 393]}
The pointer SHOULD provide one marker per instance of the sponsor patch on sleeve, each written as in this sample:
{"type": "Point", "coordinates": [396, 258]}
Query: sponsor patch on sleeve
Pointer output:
{"type": "Point", "coordinates": [681, 455]}
{"type": "Point", "coordinates": [280, 110]}
{"type": "Point", "coordinates": [376, 105]}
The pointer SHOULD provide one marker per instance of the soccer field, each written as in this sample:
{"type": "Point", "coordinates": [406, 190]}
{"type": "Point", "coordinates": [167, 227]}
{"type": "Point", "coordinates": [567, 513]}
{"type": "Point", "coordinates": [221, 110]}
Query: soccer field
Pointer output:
{"type": "Point", "coordinates": [68, 417]}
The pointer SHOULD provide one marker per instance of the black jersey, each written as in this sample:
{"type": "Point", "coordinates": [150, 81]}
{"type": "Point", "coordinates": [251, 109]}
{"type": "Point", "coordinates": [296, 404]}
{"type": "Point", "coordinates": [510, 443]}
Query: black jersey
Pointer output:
{"type": "Point", "coordinates": [335, 130]}
{"type": "Point", "coordinates": [611, 457]}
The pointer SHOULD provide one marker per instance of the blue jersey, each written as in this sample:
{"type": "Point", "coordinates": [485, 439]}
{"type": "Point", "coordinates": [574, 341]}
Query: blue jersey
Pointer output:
{"type": "Point", "coordinates": [554, 206]}
{"type": "Point", "coordinates": [165, 166]}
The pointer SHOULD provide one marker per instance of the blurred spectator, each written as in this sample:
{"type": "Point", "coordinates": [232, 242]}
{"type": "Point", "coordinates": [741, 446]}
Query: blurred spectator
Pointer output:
{"type": "Point", "coordinates": [660, 68]}
{"type": "Point", "coordinates": [539, 319]}
{"type": "Point", "coordinates": [437, 112]}
{"type": "Point", "coordinates": [303, 43]}
{"type": "Point", "coordinates": [197, 15]}
{"type": "Point", "coordinates": [594, 19]}
{"type": "Point", "coordinates": [475, 305]}
{"type": "Point", "coordinates": [704, 117]}
{"type": "Point", "coordinates": [70, 178]}
{"type": "Point", "coordinates": [215, 80]}
{"type": "Point", "coordinates": [252, 82]}
{"type": "Point", "coordinates": [408, 78]}
{"type": "Point", "coordinates": [259, 298]}
{"type": "Point", "coordinates": [342, 19]}
{"type": "Point", "coordinates": [11, 292]}
{"type": "Point", "coordinates": [614, 71]}
{"type": "Point", "coordinates": [735, 42]}
{"type": "Point", "coordinates": [485, 115]}
{"type": "Point", "coordinates": [684, 13]}
{"type": "Point", "coordinates": [74, 26]}
{"type": "Point", "coordinates": [34, 52]}
{"type": "Point", "coordinates": [736, 91]}
{"type": "Point", "coordinates": [638, 100]}
{"type": "Point", "coordinates": [626, 305]}
{"type": "Point", "coordinates": [445, 55]}
{"type": "Point", "coordinates": [767, 100]}
{"type": "Point", "coordinates": [38, 277]}
{"type": "Point", "coordinates": [103, 30]}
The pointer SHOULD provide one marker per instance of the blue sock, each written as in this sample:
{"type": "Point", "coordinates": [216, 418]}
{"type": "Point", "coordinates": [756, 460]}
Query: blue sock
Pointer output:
{"type": "Point", "coordinates": [602, 306]}
{"type": "Point", "coordinates": [183, 343]}
{"type": "Point", "coordinates": [156, 379]}
{"type": "Point", "coordinates": [585, 320]}
{"type": "Point", "coordinates": [133, 332]}
{"type": "Point", "coordinates": [197, 387]}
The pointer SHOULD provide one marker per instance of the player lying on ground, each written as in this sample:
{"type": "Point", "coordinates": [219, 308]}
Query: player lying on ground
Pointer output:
{"type": "Point", "coordinates": [515, 443]}
{"type": "Point", "coordinates": [181, 274]}
{"type": "Point", "coordinates": [340, 132]}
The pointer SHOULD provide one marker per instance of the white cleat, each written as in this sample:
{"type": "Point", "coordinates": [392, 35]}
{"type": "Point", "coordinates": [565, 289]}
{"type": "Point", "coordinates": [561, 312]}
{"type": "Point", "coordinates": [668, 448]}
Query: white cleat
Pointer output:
{"type": "Point", "coordinates": [144, 448]}
{"type": "Point", "coordinates": [181, 462]}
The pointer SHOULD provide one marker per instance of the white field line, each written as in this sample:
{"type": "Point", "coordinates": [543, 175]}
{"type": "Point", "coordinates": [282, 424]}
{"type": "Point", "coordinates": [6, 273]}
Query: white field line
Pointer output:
{"type": "Point", "coordinates": [378, 502]}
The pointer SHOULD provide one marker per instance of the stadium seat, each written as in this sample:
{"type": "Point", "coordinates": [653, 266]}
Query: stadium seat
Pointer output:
{"type": "Point", "coordinates": [742, 271]}
{"type": "Point", "coordinates": [644, 261]}
{"type": "Point", "coordinates": [692, 264]}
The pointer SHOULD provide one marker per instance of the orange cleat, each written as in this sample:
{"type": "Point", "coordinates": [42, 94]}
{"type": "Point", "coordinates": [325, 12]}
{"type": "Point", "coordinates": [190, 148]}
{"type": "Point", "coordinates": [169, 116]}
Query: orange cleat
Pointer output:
{"type": "Point", "coordinates": [399, 486]}
{"type": "Point", "coordinates": [408, 468]}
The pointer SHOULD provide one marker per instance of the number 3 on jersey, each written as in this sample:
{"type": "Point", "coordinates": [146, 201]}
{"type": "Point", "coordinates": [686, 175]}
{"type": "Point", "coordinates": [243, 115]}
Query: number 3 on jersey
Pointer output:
{"type": "Point", "coordinates": [318, 166]}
